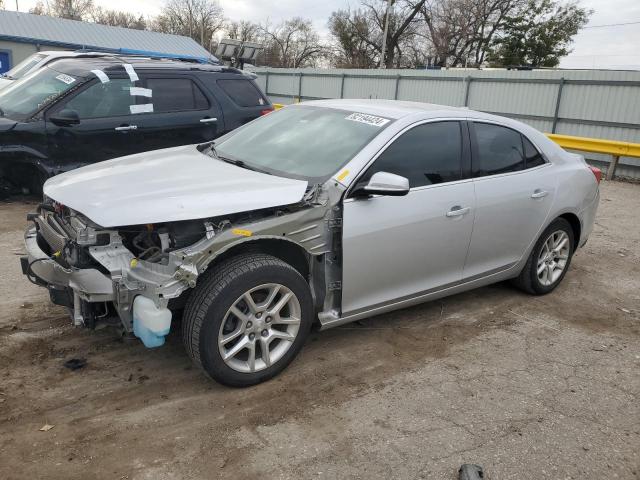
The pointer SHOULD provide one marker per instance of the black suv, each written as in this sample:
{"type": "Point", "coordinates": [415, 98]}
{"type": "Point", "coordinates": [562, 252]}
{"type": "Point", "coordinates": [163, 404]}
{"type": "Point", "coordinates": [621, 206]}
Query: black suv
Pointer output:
{"type": "Point", "coordinates": [74, 112]}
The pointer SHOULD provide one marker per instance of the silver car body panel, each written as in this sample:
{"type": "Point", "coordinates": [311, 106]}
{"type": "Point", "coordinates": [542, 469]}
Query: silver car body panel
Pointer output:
{"type": "Point", "coordinates": [365, 256]}
{"type": "Point", "coordinates": [168, 185]}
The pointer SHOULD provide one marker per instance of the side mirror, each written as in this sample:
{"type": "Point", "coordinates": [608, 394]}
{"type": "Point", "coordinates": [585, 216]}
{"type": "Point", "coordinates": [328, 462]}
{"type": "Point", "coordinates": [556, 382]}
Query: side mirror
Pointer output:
{"type": "Point", "coordinates": [384, 183]}
{"type": "Point", "coordinates": [65, 118]}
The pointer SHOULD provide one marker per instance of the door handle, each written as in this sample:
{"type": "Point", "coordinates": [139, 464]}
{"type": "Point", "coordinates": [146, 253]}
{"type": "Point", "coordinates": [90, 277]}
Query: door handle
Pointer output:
{"type": "Point", "coordinates": [539, 193]}
{"type": "Point", "coordinates": [126, 128]}
{"type": "Point", "coordinates": [458, 211]}
{"type": "Point", "coordinates": [208, 120]}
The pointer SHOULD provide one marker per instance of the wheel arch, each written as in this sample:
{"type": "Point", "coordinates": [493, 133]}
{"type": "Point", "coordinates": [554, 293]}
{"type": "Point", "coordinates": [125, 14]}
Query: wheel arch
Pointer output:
{"type": "Point", "coordinates": [286, 250]}
{"type": "Point", "coordinates": [576, 226]}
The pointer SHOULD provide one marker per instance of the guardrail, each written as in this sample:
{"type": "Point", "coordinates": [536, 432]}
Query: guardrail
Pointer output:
{"type": "Point", "coordinates": [596, 145]}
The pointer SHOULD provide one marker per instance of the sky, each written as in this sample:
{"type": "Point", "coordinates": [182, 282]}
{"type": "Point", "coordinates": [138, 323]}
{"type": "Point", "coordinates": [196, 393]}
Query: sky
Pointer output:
{"type": "Point", "coordinates": [598, 47]}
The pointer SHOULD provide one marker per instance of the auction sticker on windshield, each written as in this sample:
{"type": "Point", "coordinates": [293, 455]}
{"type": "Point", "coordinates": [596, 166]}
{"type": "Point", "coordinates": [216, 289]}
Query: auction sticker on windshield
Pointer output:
{"type": "Point", "coordinates": [66, 79]}
{"type": "Point", "coordinates": [368, 119]}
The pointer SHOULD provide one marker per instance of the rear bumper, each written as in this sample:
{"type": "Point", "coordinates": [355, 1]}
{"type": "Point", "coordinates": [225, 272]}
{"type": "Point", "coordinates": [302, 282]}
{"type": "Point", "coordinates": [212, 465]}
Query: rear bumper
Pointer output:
{"type": "Point", "coordinates": [90, 285]}
{"type": "Point", "coordinates": [588, 218]}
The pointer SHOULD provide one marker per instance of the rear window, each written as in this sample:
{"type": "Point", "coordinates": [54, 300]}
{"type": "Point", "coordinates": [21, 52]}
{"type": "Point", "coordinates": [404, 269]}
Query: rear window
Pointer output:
{"type": "Point", "coordinates": [176, 95]}
{"type": "Point", "coordinates": [243, 92]}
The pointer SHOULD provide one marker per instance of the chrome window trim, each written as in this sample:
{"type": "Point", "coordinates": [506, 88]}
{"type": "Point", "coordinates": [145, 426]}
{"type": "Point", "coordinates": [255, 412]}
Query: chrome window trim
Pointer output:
{"type": "Point", "coordinates": [508, 174]}
{"type": "Point", "coordinates": [354, 182]}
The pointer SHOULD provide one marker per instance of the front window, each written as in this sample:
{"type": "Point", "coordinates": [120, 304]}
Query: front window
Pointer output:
{"type": "Point", "coordinates": [308, 143]}
{"type": "Point", "coordinates": [29, 94]}
{"type": "Point", "coordinates": [25, 66]}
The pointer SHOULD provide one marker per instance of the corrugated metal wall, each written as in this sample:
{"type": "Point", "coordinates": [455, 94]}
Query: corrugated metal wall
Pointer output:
{"type": "Point", "coordinates": [587, 103]}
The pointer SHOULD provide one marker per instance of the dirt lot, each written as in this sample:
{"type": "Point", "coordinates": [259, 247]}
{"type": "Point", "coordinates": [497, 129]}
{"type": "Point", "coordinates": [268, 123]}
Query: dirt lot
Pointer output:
{"type": "Point", "coordinates": [544, 388]}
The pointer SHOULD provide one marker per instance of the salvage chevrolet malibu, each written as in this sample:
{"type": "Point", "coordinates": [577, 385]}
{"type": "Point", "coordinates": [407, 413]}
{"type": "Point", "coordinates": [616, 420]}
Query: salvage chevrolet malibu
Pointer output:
{"type": "Point", "coordinates": [324, 212]}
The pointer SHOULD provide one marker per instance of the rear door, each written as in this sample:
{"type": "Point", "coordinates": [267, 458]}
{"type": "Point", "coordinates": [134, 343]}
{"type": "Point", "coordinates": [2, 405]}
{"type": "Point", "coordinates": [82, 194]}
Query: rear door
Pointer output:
{"type": "Point", "coordinates": [240, 97]}
{"type": "Point", "coordinates": [107, 126]}
{"type": "Point", "coordinates": [515, 188]}
{"type": "Point", "coordinates": [177, 112]}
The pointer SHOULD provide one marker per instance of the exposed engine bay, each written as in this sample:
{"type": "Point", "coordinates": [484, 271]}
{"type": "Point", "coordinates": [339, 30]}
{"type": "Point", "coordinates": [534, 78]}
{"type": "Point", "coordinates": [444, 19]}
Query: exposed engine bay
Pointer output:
{"type": "Point", "coordinates": [98, 272]}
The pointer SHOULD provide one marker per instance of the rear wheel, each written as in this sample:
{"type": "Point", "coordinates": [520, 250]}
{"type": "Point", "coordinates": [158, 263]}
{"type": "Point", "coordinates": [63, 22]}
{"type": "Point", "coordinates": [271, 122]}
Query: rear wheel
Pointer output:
{"type": "Point", "coordinates": [247, 320]}
{"type": "Point", "coordinates": [549, 260]}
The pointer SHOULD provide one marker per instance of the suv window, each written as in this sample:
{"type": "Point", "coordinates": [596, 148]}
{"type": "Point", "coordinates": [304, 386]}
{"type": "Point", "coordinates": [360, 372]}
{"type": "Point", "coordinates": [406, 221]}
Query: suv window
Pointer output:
{"type": "Point", "coordinates": [533, 157]}
{"type": "Point", "coordinates": [176, 95]}
{"type": "Point", "coordinates": [242, 92]}
{"type": "Point", "coordinates": [426, 155]}
{"type": "Point", "coordinates": [499, 150]}
{"type": "Point", "coordinates": [111, 99]}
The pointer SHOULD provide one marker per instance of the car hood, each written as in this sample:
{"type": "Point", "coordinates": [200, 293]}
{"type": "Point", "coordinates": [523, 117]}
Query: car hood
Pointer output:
{"type": "Point", "coordinates": [166, 186]}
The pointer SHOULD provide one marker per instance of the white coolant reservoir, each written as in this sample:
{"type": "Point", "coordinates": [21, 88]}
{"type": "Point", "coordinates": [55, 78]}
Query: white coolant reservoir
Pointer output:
{"type": "Point", "coordinates": [150, 323]}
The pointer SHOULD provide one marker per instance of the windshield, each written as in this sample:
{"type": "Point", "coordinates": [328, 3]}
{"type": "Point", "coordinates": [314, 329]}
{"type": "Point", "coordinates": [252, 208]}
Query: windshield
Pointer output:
{"type": "Point", "coordinates": [27, 95]}
{"type": "Point", "coordinates": [309, 143]}
{"type": "Point", "coordinates": [23, 67]}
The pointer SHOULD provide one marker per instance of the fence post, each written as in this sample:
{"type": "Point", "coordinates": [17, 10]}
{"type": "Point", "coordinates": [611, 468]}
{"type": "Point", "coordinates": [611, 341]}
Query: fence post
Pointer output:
{"type": "Point", "coordinates": [266, 83]}
{"type": "Point", "coordinates": [558, 99]}
{"type": "Point", "coordinates": [342, 86]}
{"type": "Point", "coordinates": [395, 95]}
{"type": "Point", "coordinates": [300, 88]}
{"type": "Point", "coordinates": [466, 90]}
{"type": "Point", "coordinates": [612, 166]}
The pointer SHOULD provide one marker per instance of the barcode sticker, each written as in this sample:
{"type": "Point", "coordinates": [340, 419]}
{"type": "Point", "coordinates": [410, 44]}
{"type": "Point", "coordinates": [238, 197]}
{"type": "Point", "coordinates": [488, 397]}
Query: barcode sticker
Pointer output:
{"type": "Point", "coordinates": [368, 119]}
{"type": "Point", "coordinates": [66, 79]}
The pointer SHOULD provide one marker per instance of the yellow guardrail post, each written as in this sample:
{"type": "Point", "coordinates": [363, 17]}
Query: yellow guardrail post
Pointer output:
{"type": "Point", "coordinates": [597, 145]}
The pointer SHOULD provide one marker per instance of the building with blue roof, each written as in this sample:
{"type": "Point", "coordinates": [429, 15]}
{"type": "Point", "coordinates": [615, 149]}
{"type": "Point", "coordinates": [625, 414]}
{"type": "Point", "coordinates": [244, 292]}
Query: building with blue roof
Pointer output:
{"type": "Point", "coordinates": [22, 34]}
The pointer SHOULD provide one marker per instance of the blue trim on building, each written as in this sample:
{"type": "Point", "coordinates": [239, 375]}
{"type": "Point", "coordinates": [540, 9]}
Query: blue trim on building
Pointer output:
{"type": "Point", "coordinates": [124, 51]}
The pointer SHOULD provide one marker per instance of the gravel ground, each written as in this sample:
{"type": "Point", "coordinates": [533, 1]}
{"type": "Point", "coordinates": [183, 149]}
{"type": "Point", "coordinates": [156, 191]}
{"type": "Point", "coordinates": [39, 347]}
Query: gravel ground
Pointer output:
{"type": "Point", "coordinates": [543, 388]}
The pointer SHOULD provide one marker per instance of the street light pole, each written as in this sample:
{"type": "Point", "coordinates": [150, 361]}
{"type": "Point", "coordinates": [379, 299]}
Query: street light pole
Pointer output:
{"type": "Point", "coordinates": [384, 37]}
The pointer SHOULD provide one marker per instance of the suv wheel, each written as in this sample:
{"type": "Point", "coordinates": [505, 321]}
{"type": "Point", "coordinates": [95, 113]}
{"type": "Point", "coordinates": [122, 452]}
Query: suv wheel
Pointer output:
{"type": "Point", "coordinates": [247, 319]}
{"type": "Point", "coordinates": [549, 260]}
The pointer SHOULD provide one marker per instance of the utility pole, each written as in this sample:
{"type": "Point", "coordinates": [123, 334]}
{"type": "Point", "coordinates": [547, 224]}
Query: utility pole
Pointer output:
{"type": "Point", "coordinates": [386, 32]}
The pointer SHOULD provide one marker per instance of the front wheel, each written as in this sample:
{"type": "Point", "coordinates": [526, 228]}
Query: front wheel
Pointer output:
{"type": "Point", "coordinates": [549, 260]}
{"type": "Point", "coordinates": [247, 319]}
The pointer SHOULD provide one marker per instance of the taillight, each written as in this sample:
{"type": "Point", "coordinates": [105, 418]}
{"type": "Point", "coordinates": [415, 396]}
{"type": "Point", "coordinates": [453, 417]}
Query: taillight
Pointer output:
{"type": "Point", "coordinates": [597, 173]}
{"type": "Point", "coordinates": [266, 111]}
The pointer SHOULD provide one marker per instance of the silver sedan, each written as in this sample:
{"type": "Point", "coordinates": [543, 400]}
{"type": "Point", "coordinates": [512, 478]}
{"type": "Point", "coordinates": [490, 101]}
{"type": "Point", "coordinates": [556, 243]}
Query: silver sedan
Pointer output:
{"type": "Point", "coordinates": [324, 212]}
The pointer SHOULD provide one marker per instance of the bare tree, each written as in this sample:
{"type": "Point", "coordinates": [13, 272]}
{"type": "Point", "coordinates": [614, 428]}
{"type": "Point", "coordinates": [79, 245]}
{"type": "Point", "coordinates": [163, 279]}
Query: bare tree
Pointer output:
{"type": "Point", "coordinates": [198, 19]}
{"type": "Point", "coordinates": [244, 31]}
{"type": "Point", "coordinates": [459, 32]}
{"type": "Point", "coordinates": [116, 18]}
{"type": "Point", "coordinates": [352, 47]}
{"type": "Point", "coordinates": [294, 43]}
{"type": "Point", "coordinates": [367, 25]}
{"type": "Point", "coordinates": [69, 9]}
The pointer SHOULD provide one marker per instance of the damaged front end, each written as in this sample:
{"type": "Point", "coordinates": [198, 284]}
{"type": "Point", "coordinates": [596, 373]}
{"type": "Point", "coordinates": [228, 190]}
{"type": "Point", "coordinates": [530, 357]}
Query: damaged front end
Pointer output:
{"type": "Point", "coordinates": [135, 276]}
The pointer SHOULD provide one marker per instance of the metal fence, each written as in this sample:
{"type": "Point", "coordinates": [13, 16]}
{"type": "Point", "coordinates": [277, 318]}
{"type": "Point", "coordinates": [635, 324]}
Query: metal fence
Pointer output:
{"type": "Point", "coordinates": [587, 103]}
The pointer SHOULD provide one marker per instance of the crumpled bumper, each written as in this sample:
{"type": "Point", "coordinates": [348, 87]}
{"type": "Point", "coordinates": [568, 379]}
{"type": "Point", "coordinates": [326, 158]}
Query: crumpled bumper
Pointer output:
{"type": "Point", "coordinates": [89, 284]}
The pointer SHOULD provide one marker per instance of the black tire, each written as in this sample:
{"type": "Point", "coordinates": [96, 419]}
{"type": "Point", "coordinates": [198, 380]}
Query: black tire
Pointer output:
{"type": "Point", "coordinates": [215, 293]}
{"type": "Point", "coordinates": [528, 279]}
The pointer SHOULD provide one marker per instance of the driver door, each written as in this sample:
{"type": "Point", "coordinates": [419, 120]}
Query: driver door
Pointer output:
{"type": "Point", "coordinates": [401, 247]}
{"type": "Point", "coordinates": [107, 128]}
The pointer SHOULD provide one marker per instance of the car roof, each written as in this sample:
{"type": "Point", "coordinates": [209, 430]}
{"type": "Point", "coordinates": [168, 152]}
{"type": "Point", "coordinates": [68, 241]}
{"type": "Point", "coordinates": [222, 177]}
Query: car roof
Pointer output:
{"type": "Point", "coordinates": [398, 109]}
{"type": "Point", "coordinates": [82, 65]}
{"type": "Point", "coordinates": [395, 109]}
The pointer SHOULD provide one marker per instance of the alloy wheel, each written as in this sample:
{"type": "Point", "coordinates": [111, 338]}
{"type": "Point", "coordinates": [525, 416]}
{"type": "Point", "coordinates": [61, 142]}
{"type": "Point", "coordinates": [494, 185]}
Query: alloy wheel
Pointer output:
{"type": "Point", "coordinates": [259, 328]}
{"type": "Point", "coordinates": [553, 257]}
